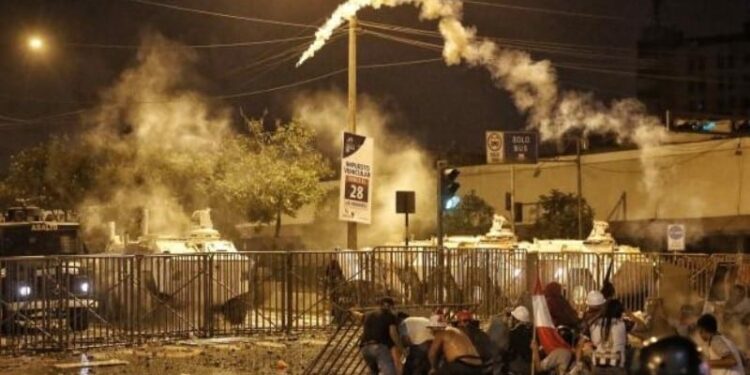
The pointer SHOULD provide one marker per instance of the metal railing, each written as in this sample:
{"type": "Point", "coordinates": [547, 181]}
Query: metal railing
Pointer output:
{"type": "Point", "coordinates": [66, 302]}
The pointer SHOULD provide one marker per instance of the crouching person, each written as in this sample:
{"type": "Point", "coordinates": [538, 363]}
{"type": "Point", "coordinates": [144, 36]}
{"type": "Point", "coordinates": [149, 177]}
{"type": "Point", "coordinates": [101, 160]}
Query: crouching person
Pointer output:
{"type": "Point", "coordinates": [452, 352]}
{"type": "Point", "coordinates": [417, 338]}
{"type": "Point", "coordinates": [559, 361]}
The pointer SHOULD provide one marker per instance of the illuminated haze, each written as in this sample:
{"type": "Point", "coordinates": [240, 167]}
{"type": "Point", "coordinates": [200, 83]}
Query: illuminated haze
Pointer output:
{"type": "Point", "coordinates": [149, 118]}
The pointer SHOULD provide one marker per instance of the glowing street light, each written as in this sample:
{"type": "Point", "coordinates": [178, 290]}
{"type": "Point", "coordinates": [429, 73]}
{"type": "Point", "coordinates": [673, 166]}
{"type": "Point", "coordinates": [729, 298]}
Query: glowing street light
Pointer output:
{"type": "Point", "coordinates": [35, 43]}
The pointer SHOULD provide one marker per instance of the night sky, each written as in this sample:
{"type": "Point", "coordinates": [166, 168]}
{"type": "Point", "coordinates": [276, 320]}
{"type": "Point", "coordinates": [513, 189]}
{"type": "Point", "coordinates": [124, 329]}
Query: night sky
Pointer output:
{"type": "Point", "coordinates": [92, 41]}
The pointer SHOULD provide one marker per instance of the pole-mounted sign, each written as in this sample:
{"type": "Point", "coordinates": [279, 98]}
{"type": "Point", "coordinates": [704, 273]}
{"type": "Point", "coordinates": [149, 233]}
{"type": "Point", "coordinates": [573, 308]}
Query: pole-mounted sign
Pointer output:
{"type": "Point", "coordinates": [355, 199]}
{"type": "Point", "coordinates": [512, 147]}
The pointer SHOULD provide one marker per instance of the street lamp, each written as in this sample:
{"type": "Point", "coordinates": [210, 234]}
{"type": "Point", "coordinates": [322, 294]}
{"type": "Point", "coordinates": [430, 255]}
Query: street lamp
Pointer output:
{"type": "Point", "coordinates": [35, 43]}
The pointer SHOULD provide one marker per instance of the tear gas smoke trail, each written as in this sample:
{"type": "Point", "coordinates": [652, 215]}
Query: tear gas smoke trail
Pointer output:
{"type": "Point", "coordinates": [532, 84]}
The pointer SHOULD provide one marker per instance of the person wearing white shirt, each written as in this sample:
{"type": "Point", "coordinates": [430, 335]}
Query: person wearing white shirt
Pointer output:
{"type": "Point", "coordinates": [417, 337]}
{"type": "Point", "coordinates": [608, 336]}
{"type": "Point", "coordinates": [723, 356]}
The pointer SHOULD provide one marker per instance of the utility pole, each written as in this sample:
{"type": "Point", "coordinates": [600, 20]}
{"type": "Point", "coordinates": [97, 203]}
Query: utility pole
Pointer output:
{"type": "Point", "coordinates": [513, 198]}
{"type": "Point", "coordinates": [441, 166]}
{"type": "Point", "coordinates": [580, 192]}
{"type": "Point", "coordinates": [351, 228]}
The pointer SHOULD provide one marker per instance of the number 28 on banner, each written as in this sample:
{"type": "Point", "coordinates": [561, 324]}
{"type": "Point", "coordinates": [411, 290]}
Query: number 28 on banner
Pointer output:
{"type": "Point", "coordinates": [356, 189]}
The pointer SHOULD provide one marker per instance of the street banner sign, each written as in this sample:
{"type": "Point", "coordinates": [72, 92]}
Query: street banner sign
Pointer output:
{"type": "Point", "coordinates": [676, 237]}
{"type": "Point", "coordinates": [355, 198]}
{"type": "Point", "coordinates": [515, 147]}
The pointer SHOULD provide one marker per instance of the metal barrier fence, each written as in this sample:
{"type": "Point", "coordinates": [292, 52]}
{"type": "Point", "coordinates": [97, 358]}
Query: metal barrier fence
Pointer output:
{"type": "Point", "coordinates": [66, 302]}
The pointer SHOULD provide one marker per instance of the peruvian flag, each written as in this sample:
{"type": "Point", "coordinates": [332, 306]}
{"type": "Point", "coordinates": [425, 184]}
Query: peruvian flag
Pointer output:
{"type": "Point", "coordinates": [546, 332]}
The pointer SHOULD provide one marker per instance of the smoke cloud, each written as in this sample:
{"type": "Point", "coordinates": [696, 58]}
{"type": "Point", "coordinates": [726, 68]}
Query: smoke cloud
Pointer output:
{"type": "Point", "coordinates": [532, 84]}
{"type": "Point", "coordinates": [146, 133]}
{"type": "Point", "coordinates": [400, 164]}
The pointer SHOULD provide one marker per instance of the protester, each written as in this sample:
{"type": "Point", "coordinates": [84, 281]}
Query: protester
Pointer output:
{"type": "Point", "coordinates": [379, 335]}
{"type": "Point", "coordinates": [417, 338]}
{"type": "Point", "coordinates": [560, 360]}
{"type": "Point", "coordinates": [654, 323]}
{"type": "Point", "coordinates": [609, 339]}
{"type": "Point", "coordinates": [518, 356]}
{"type": "Point", "coordinates": [470, 327]}
{"type": "Point", "coordinates": [334, 279]}
{"type": "Point", "coordinates": [669, 356]}
{"type": "Point", "coordinates": [458, 354]}
{"type": "Point", "coordinates": [562, 313]}
{"type": "Point", "coordinates": [595, 303]}
{"type": "Point", "coordinates": [723, 356]}
{"type": "Point", "coordinates": [499, 333]}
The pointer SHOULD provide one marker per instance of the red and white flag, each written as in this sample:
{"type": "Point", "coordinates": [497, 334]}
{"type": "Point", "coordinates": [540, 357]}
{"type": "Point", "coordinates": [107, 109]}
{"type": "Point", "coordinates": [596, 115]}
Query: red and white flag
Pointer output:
{"type": "Point", "coordinates": [546, 332]}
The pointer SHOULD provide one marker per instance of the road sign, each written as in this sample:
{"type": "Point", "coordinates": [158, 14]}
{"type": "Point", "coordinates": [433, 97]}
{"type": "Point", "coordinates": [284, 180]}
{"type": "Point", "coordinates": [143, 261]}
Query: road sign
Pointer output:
{"type": "Point", "coordinates": [512, 147]}
{"type": "Point", "coordinates": [495, 144]}
{"type": "Point", "coordinates": [521, 147]}
{"type": "Point", "coordinates": [676, 237]}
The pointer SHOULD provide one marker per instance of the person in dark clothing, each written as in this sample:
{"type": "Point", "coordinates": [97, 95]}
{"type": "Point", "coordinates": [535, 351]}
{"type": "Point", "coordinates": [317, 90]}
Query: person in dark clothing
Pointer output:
{"type": "Point", "coordinates": [379, 335]}
{"type": "Point", "coordinates": [562, 313]}
{"type": "Point", "coordinates": [480, 339]}
{"type": "Point", "coordinates": [519, 348]}
{"type": "Point", "coordinates": [333, 283]}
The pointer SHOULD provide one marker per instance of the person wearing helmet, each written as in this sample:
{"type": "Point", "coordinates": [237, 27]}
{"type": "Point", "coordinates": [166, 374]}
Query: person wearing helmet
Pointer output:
{"type": "Point", "coordinates": [518, 356]}
{"type": "Point", "coordinates": [608, 338]}
{"type": "Point", "coordinates": [459, 357]}
{"type": "Point", "coordinates": [595, 303]}
{"type": "Point", "coordinates": [560, 360]}
{"type": "Point", "coordinates": [723, 356]}
{"type": "Point", "coordinates": [468, 325]}
{"type": "Point", "coordinates": [670, 355]}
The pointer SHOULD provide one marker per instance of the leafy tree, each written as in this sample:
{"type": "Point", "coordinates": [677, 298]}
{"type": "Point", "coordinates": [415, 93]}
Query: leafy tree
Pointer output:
{"type": "Point", "coordinates": [278, 172]}
{"type": "Point", "coordinates": [473, 216]}
{"type": "Point", "coordinates": [559, 217]}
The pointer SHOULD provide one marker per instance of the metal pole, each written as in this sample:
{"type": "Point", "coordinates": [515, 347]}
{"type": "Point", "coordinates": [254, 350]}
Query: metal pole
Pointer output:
{"type": "Point", "coordinates": [441, 164]}
{"type": "Point", "coordinates": [513, 198]}
{"type": "Point", "coordinates": [406, 240]}
{"type": "Point", "coordinates": [580, 195]}
{"type": "Point", "coordinates": [351, 228]}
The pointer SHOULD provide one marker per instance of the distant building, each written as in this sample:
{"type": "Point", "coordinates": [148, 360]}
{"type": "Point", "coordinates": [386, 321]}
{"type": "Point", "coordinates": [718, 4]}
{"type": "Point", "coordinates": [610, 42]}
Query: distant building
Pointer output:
{"type": "Point", "coordinates": [696, 76]}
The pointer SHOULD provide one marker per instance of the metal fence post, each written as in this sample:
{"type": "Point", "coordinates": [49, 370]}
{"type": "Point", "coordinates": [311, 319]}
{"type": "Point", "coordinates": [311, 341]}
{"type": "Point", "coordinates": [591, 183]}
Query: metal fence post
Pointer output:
{"type": "Point", "coordinates": [288, 292]}
{"type": "Point", "coordinates": [137, 283]}
{"type": "Point", "coordinates": [208, 317]}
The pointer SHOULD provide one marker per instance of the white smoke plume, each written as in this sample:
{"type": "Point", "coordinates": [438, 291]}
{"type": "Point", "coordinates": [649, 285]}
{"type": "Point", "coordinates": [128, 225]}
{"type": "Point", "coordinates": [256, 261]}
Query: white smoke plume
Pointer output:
{"type": "Point", "coordinates": [400, 163]}
{"type": "Point", "coordinates": [148, 129]}
{"type": "Point", "coordinates": [532, 84]}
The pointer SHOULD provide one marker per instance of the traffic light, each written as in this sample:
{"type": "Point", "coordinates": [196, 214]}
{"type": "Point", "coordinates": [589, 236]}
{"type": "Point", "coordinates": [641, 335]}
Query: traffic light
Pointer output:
{"type": "Point", "coordinates": [448, 189]}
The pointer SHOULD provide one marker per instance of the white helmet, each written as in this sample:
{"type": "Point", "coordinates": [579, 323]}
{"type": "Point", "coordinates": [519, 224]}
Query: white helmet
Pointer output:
{"type": "Point", "coordinates": [437, 322]}
{"type": "Point", "coordinates": [521, 314]}
{"type": "Point", "coordinates": [595, 298]}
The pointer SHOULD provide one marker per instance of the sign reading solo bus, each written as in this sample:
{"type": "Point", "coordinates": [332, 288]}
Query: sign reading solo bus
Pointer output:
{"type": "Point", "coordinates": [355, 200]}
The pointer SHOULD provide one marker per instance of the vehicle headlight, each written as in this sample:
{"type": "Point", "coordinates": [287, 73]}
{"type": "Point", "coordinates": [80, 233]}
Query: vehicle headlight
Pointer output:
{"type": "Point", "coordinates": [84, 287]}
{"type": "Point", "coordinates": [24, 291]}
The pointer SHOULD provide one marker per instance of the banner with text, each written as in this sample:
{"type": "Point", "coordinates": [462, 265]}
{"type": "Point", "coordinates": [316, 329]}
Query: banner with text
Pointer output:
{"type": "Point", "coordinates": [355, 202]}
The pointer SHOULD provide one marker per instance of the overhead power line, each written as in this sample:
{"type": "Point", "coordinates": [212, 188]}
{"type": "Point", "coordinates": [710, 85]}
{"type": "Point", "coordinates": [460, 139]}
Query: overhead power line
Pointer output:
{"type": "Point", "coordinates": [546, 10]}
{"type": "Point", "coordinates": [41, 120]}
{"type": "Point", "coordinates": [225, 15]}
{"type": "Point", "coordinates": [196, 46]}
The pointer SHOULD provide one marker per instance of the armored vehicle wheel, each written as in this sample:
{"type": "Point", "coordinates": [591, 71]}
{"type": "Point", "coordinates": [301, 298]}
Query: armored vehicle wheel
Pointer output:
{"type": "Point", "coordinates": [78, 319]}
